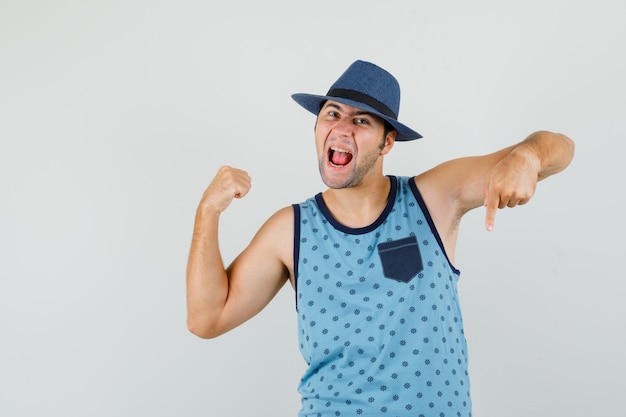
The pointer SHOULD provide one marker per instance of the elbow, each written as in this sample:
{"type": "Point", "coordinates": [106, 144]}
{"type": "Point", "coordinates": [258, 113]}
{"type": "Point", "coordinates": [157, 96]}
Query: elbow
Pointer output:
{"type": "Point", "coordinates": [569, 146]}
{"type": "Point", "coordinates": [557, 148]}
{"type": "Point", "coordinates": [202, 330]}
{"type": "Point", "coordinates": [568, 143]}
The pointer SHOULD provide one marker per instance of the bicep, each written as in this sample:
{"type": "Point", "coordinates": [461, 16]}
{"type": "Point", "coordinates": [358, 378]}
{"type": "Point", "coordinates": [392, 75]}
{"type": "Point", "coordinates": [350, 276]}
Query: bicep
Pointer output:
{"type": "Point", "coordinates": [259, 272]}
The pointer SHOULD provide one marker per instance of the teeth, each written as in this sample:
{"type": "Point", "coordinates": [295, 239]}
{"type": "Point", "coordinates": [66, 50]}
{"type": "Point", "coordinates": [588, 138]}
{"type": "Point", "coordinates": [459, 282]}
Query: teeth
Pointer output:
{"type": "Point", "coordinates": [339, 150]}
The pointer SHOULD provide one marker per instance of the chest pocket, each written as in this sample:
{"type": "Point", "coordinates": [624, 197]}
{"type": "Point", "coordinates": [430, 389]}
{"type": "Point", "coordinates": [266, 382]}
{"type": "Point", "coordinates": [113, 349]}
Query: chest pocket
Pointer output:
{"type": "Point", "coordinates": [401, 259]}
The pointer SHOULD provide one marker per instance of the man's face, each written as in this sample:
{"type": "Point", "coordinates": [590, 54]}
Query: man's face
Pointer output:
{"type": "Point", "coordinates": [349, 144]}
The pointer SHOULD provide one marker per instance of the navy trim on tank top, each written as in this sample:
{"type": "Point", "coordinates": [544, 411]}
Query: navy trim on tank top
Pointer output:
{"type": "Point", "coordinates": [296, 248]}
{"type": "Point", "coordinates": [431, 223]}
{"type": "Point", "coordinates": [391, 198]}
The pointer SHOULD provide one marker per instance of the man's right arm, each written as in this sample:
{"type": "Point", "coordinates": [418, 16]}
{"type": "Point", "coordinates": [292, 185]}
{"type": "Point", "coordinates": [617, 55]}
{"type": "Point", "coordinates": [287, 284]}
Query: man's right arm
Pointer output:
{"type": "Point", "coordinates": [219, 298]}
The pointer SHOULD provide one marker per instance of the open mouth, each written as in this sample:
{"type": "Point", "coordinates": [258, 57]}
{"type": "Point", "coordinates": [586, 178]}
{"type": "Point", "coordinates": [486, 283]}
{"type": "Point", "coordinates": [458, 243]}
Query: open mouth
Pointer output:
{"type": "Point", "coordinates": [339, 157]}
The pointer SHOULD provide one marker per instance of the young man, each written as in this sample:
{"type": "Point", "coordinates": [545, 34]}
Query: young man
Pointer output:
{"type": "Point", "coordinates": [371, 258]}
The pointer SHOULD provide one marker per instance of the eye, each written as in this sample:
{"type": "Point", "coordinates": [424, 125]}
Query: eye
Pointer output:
{"type": "Point", "coordinates": [361, 121]}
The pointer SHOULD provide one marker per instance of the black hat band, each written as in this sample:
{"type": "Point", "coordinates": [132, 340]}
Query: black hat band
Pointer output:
{"type": "Point", "coordinates": [362, 98]}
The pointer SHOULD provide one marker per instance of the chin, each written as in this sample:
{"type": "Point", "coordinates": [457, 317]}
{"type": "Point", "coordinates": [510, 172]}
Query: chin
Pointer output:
{"type": "Point", "coordinates": [338, 183]}
{"type": "Point", "coordinates": [338, 178]}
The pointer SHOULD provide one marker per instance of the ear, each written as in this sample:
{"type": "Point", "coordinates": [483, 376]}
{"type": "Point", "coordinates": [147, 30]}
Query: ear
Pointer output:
{"type": "Point", "coordinates": [390, 139]}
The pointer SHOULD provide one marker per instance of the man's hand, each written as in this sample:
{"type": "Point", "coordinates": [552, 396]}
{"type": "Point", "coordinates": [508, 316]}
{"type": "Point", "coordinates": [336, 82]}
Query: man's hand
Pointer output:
{"type": "Point", "coordinates": [512, 182]}
{"type": "Point", "coordinates": [228, 183]}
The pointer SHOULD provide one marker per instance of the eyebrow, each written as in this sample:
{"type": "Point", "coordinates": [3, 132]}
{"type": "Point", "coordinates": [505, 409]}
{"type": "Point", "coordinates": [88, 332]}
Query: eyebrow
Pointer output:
{"type": "Point", "coordinates": [356, 113]}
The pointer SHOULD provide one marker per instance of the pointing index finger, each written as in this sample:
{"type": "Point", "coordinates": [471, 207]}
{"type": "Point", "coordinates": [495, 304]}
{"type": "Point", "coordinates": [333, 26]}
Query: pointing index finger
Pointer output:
{"type": "Point", "coordinates": [490, 217]}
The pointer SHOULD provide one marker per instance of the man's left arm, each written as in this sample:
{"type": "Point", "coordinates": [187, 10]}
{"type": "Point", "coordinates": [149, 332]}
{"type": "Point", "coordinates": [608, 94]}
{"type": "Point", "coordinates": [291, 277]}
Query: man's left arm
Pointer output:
{"type": "Point", "coordinates": [513, 179]}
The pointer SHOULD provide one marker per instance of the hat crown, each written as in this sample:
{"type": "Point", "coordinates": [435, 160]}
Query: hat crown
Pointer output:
{"type": "Point", "coordinates": [369, 80]}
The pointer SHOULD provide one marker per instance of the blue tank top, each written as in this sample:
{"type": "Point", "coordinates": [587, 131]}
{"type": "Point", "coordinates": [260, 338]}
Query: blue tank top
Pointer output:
{"type": "Point", "coordinates": [379, 323]}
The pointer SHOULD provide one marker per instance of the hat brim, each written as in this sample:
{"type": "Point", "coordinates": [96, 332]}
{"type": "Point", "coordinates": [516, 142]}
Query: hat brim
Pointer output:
{"type": "Point", "coordinates": [314, 103]}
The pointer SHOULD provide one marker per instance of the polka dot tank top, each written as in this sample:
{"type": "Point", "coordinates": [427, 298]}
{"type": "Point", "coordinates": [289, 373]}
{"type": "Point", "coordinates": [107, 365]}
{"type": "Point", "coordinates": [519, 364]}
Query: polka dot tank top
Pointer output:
{"type": "Point", "coordinates": [379, 323]}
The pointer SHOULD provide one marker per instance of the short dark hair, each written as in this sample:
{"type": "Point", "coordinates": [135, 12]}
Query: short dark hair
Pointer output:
{"type": "Point", "coordinates": [388, 128]}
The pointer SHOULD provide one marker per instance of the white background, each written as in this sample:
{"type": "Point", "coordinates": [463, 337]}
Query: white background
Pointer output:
{"type": "Point", "coordinates": [115, 115]}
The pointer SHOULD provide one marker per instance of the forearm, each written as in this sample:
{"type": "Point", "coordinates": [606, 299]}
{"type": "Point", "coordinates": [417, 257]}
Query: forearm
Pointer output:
{"type": "Point", "coordinates": [552, 152]}
{"type": "Point", "coordinates": [207, 281]}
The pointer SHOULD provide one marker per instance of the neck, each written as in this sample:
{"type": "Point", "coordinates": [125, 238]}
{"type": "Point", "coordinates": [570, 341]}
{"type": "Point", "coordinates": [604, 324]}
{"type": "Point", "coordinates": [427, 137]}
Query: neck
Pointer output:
{"type": "Point", "coordinates": [358, 206]}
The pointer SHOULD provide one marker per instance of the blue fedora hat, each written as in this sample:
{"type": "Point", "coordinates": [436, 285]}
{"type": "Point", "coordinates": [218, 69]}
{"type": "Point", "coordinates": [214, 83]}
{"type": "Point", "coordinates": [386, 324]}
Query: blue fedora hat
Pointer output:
{"type": "Point", "coordinates": [367, 87]}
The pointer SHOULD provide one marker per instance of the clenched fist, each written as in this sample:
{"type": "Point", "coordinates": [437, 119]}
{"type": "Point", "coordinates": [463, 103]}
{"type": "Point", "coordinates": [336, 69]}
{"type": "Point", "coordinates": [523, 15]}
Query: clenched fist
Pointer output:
{"type": "Point", "coordinates": [228, 183]}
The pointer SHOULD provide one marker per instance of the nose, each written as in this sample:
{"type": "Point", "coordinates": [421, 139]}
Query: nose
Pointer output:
{"type": "Point", "coordinates": [343, 127]}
